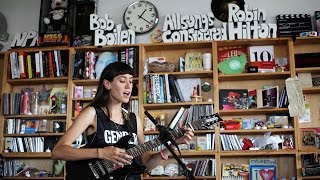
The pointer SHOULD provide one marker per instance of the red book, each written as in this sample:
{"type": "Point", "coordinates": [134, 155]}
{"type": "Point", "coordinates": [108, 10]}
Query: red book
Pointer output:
{"type": "Point", "coordinates": [22, 65]}
{"type": "Point", "coordinates": [50, 58]}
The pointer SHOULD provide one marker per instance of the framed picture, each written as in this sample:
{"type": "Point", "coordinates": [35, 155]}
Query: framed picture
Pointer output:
{"type": "Point", "coordinates": [277, 120]}
{"type": "Point", "coordinates": [270, 97]}
{"type": "Point", "coordinates": [232, 99]}
{"type": "Point", "coordinates": [309, 138]}
{"type": "Point", "coordinates": [263, 172]}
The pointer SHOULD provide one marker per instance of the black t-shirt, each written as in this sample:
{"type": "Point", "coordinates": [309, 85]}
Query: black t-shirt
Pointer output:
{"type": "Point", "coordinates": [108, 133]}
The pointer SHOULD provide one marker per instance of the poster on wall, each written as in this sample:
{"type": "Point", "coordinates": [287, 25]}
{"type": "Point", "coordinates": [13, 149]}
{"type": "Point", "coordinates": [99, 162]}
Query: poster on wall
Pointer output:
{"type": "Point", "coordinates": [82, 36]}
{"type": "Point", "coordinates": [55, 22]}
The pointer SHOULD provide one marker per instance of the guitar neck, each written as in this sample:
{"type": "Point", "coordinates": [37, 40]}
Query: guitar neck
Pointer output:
{"type": "Point", "coordinates": [148, 146]}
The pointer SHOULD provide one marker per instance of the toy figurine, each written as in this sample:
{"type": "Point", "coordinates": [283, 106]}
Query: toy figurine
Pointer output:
{"type": "Point", "coordinates": [195, 91]}
{"type": "Point", "coordinates": [195, 96]}
{"type": "Point", "coordinates": [57, 18]}
{"type": "Point", "coordinates": [247, 144]}
{"type": "Point", "coordinates": [53, 108]}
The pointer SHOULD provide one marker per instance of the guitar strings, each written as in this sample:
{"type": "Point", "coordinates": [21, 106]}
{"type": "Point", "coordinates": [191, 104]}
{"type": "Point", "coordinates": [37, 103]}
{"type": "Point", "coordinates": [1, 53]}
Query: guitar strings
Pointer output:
{"type": "Point", "coordinates": [103, 166]}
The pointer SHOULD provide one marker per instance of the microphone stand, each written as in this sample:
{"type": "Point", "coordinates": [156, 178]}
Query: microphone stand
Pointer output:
{"type": "Point", "coordinates": [165, 136]}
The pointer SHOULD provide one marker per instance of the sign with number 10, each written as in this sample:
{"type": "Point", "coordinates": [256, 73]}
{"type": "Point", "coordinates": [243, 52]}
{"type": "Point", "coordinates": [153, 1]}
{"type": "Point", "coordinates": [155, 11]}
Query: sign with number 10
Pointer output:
{"type": "Point", "coordinates": [263, 57]}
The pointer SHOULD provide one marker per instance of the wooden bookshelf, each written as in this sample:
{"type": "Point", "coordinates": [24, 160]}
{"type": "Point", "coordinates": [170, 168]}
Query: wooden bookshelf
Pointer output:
{"type": "Point", "coordinates": [284, 47]}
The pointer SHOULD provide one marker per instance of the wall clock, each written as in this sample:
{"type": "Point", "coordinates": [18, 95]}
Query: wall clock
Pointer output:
{"type": "Point", "coordinates": [141, 17]}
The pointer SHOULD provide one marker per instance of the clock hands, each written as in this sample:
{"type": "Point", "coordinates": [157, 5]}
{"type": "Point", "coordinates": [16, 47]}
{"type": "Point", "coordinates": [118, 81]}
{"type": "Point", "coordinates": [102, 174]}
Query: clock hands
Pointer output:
{"type": "Point", "coordinates": [140, 17]}
{"type": "Point", "coordinates": [142, 13]}
{"type": "Point", "coordinates": [145, 20]}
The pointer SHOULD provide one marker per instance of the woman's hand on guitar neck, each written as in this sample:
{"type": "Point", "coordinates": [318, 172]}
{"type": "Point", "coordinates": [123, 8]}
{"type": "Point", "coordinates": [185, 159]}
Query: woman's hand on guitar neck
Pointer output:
{"type": "Point", "coordinates": [114, 154]}
{"type": "Point", "coordinates": [188, 134]}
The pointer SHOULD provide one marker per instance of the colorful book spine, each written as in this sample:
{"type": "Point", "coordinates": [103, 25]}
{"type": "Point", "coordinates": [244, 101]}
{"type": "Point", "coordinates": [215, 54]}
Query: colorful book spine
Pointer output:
{"type": "Point", "coordinates": [29, 66]}
{"type": "Point", "coordinates": [50, 61]}
{"type": "Point", "coordinates": [37, 59]}
{"type": "Point", "coordinates": [56, 62]}
{"type": "Point", "coordinates": [23, 73]}
{"type": "Point", "coordinates": [157, 89]}
{"type": "Point", "coordinates": [41, 64]}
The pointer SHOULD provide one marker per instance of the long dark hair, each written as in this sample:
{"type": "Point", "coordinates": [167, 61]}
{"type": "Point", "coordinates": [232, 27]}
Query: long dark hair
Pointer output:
{"type": "Point", "coordinates": [102, 97]}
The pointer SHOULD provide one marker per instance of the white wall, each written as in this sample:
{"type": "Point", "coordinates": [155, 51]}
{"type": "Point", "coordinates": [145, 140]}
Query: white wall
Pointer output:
{"type": "Point", "coordinates": [23, 15]}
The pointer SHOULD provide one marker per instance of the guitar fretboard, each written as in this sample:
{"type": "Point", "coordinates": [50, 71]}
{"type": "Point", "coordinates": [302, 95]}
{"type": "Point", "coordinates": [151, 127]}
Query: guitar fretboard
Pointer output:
{"type": "Point", "coordinates": [148, 146]}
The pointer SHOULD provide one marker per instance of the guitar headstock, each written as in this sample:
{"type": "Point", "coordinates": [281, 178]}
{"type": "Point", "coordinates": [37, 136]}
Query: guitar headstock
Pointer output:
{"type": "Point", "coordinates": [206, 122]}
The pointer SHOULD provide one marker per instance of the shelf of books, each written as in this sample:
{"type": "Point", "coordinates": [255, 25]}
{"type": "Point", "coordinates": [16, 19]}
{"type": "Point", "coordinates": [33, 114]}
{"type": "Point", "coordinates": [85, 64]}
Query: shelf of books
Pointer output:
{"type": "Point", "coordinates": [34, 110]}
{"type": "Point", "coordinates": [251, 98]}
{"type": "Point", "coordinates": [307, 69]}
{"type": "Point", "coordinates": [88, 64]}
{"type": "Point", "coordinates": [245, 83]}
{"type": "Point", "coordinates": [177, 91]}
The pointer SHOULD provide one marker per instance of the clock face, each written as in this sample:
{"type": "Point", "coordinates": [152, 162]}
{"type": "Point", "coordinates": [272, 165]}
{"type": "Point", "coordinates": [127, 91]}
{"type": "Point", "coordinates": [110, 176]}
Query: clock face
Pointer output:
{"type": "Point", "coordinates": [141, 17]}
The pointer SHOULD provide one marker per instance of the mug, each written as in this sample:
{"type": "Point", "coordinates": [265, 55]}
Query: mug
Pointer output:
{"type": "Point", "coordinates": [206, 61]}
